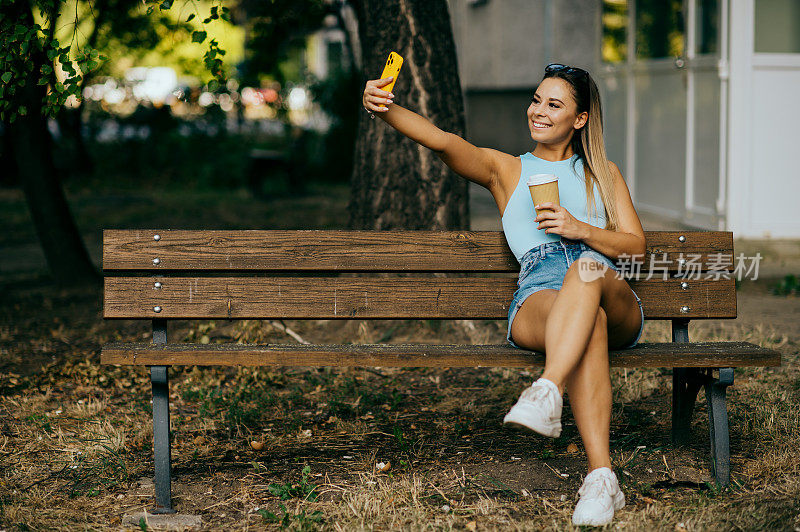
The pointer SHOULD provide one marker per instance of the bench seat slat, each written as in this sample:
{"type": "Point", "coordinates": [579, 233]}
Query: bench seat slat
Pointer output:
{"type": "Point", "coordinates": [401, 251]}
{"type": "Point", "coordinates": [699, 354]}
{"type": "Point", "coordinates": [376, 297]}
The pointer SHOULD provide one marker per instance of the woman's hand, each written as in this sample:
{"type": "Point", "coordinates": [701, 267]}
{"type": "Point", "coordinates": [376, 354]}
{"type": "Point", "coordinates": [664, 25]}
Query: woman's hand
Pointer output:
{"type": "Point", "coordinates": [560, 222]}
{"type": "Point", "coordinates": [374, 97]}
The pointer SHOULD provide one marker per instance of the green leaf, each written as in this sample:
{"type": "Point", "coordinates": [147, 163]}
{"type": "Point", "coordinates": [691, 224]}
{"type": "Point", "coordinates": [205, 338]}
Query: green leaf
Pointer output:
{"type": "Point", "coordinates": [6, 77]}
{"type": "Point", "coordinates": [51, 54]}
{"type": "Point", "coordinates": [199, 36]}
{"type": "Point", "coordinates": [23, 110]}
{"type": "Point", "coordinates": [213, 85]}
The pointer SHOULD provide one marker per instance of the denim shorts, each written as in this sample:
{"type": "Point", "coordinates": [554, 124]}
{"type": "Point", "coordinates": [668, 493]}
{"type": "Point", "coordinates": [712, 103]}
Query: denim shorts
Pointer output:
{"type": "Point", "coordinates": [545, 266]}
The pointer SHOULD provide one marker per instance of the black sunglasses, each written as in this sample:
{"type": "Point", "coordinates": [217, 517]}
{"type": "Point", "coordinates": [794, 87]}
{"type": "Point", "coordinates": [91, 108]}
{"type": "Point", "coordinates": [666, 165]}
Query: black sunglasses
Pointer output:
{"type": "Point", "coordinates": [558, 67]}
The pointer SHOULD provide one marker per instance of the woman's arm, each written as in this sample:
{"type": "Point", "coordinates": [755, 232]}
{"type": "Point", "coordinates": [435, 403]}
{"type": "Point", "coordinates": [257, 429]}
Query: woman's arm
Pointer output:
{"type": "Point", "coordinates": [481, 165]}
{"type": "Point", "coordinates": [629, 238]}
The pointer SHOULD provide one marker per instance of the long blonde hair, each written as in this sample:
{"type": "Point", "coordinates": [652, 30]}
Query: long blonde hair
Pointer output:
{"type": "Point", "coordinates": [588, 143]}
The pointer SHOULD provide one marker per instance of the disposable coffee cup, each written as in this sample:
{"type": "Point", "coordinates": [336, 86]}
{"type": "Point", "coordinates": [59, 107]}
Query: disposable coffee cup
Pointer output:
{"type": "Point", "coordinates": [543, 187]}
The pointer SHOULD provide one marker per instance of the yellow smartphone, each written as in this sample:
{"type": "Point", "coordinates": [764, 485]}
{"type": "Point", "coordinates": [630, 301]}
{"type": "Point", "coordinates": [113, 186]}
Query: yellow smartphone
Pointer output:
{"type": "Point", "coordinates": [392, 68]}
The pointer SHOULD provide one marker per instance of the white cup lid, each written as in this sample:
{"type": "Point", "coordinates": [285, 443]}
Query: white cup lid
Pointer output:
{"type": "Point", "coordinates": [541, 179]}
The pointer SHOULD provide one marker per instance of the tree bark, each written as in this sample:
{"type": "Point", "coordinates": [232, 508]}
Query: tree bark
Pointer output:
{"type": "Point", "coordinates": [32, 159]}
{"type": "Point", "coordinates": [396, 182]}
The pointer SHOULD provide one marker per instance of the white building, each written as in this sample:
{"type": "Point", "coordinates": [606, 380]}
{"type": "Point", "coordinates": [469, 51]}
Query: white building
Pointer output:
{"type": "Point", "coordinates": [701, 97]}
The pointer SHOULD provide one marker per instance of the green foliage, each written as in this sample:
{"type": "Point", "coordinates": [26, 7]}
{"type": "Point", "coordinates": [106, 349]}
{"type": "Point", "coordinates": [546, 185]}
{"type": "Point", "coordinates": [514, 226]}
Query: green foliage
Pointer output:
{"type": "Point", "coordinates": [27, 61]}
{"type": "Point", "coordinates": [301, 521]}
{"type": "Point", "coordinates": [789, 285]}
{"type": "Point", "coordinates": [194, 154]}
{"type": "Point", "coordinates": [304, 490]}
{"type": "Point", "coordinates": [31, 52]}
{"type": "Point", "coordinates": [242, 402]}
{"type": "Point", "coordinates": [334, 96]}
{"type": "Point", "coordinates": [275, 29]}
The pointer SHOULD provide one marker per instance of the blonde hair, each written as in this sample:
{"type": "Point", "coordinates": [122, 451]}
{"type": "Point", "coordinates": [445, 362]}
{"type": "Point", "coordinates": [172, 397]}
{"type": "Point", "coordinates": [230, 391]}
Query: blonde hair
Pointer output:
{"type": "Point", "coordinates": [588, 143]}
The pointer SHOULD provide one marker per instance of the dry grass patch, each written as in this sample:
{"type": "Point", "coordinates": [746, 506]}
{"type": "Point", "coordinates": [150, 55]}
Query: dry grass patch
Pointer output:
{"type": "Point", "coordinates": [76, 438]}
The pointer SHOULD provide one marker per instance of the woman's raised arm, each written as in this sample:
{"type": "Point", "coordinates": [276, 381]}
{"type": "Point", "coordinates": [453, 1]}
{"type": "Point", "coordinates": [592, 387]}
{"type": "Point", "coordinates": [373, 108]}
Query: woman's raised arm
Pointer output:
{"type": "Point", "coordinates": [481, 165]}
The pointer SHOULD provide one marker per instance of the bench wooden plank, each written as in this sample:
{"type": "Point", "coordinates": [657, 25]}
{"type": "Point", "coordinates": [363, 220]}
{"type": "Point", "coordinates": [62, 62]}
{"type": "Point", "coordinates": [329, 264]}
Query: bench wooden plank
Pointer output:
{"type": "Point", "coordinates": [307, 250]}
{"type": "Point", "coordinates": [376, 297]}
{"type": "Point", "coordinates": [410, 251]}
{"type": "Point", "coordinates": [668, 354]}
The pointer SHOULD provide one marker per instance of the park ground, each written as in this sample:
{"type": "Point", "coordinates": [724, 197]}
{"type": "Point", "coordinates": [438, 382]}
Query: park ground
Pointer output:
{"type": "Point", "coordinates": [352, 448]}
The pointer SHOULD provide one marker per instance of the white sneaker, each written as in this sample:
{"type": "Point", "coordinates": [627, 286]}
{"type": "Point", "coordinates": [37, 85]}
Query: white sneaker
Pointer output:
{"type": "Point", "coordinates": [600, 498]}
{"type": "Point", "coordinates": [538, 409]}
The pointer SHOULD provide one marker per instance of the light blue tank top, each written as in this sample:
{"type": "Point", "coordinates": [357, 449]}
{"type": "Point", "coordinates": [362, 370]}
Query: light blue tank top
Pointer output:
{"type": "Point", "coordinates": [518, 225]}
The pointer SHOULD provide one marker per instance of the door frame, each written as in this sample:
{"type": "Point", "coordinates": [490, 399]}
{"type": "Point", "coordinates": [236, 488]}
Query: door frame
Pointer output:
{"type": "Point", "coordinates": [740, 160]}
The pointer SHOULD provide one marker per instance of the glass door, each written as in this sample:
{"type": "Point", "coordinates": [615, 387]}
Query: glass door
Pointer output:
{"type": "Point", "coordinates": [660, 76]}
{"type": "Point", "coordinates": [660, 86]}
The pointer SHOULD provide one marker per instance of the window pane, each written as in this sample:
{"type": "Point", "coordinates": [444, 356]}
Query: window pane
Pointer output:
{"type": "Point", "coordinates": [777, 26]}
{"type": "Point", "coordinates": [615, 24]}
{"type": "Point", "coordinates": [659, 28]}
{"type": "Point", "coordinates": [707, 26]}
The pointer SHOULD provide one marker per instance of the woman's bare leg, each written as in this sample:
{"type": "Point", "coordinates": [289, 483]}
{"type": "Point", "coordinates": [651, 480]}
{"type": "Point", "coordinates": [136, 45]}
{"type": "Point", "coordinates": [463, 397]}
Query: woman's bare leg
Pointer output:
{"type": "Point", "coordinates": [589, 389]}
{"type": "Point", "coordinates": [569, 325]}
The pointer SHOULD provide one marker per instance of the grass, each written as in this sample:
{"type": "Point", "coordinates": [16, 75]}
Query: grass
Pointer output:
{"type": "Point", "coordinates": [789, 285]}
{"type": "Point", "coordinates": [76, 437]}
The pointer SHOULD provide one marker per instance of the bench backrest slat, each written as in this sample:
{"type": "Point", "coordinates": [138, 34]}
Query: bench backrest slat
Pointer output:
{"type": "Point", "coordinates": [374, 251]}
{"type": "Point", "coordinates": [377, 297]}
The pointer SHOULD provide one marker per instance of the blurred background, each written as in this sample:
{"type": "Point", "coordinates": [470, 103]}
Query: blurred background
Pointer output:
{"type": "Point", "coordinates": [247, 114]}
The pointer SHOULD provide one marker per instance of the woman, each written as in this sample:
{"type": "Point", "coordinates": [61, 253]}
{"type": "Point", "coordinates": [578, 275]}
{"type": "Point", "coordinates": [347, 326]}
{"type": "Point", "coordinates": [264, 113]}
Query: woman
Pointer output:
{"type": "Point", "coordinates": [566, 305]}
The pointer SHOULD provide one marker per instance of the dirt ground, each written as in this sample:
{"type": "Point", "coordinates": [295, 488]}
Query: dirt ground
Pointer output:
{"type": "Point", "coordinates": [76, 437]}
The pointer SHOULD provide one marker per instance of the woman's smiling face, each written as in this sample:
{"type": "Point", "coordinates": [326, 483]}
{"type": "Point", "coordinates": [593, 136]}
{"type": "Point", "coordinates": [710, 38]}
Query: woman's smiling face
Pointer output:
{"type": "Point", "coordinates": [553, 114]}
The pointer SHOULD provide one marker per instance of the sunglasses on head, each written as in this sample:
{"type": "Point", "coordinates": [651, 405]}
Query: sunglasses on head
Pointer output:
{"type": "Point", "coordinates": [558, 67]}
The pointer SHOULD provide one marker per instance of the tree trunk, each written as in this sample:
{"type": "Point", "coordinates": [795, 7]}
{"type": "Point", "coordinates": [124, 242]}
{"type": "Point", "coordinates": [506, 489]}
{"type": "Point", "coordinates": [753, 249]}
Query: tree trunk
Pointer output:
{"type": "Point", "coordinates": [32, 159]}
{"type": "Point", "coordinates": [396, 182]}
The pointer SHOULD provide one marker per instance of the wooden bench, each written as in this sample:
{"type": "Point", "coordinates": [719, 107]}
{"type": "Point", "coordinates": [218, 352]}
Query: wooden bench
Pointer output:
{"type": "Point", "coordinates": [168, 275]}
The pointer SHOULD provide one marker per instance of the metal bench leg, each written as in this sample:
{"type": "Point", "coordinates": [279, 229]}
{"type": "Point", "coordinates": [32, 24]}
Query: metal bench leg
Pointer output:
{"type": "Point", "coordinates": [718, 426]}
{"type": "Point", "coordinates": [161, 447]}
{"type": "Point", "coordinates": [686, 384]}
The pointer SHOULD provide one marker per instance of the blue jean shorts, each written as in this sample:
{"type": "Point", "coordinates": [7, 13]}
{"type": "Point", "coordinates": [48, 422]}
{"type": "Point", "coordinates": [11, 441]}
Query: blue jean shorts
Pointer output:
{"type": "Point", "coordinates": [545, 266]}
